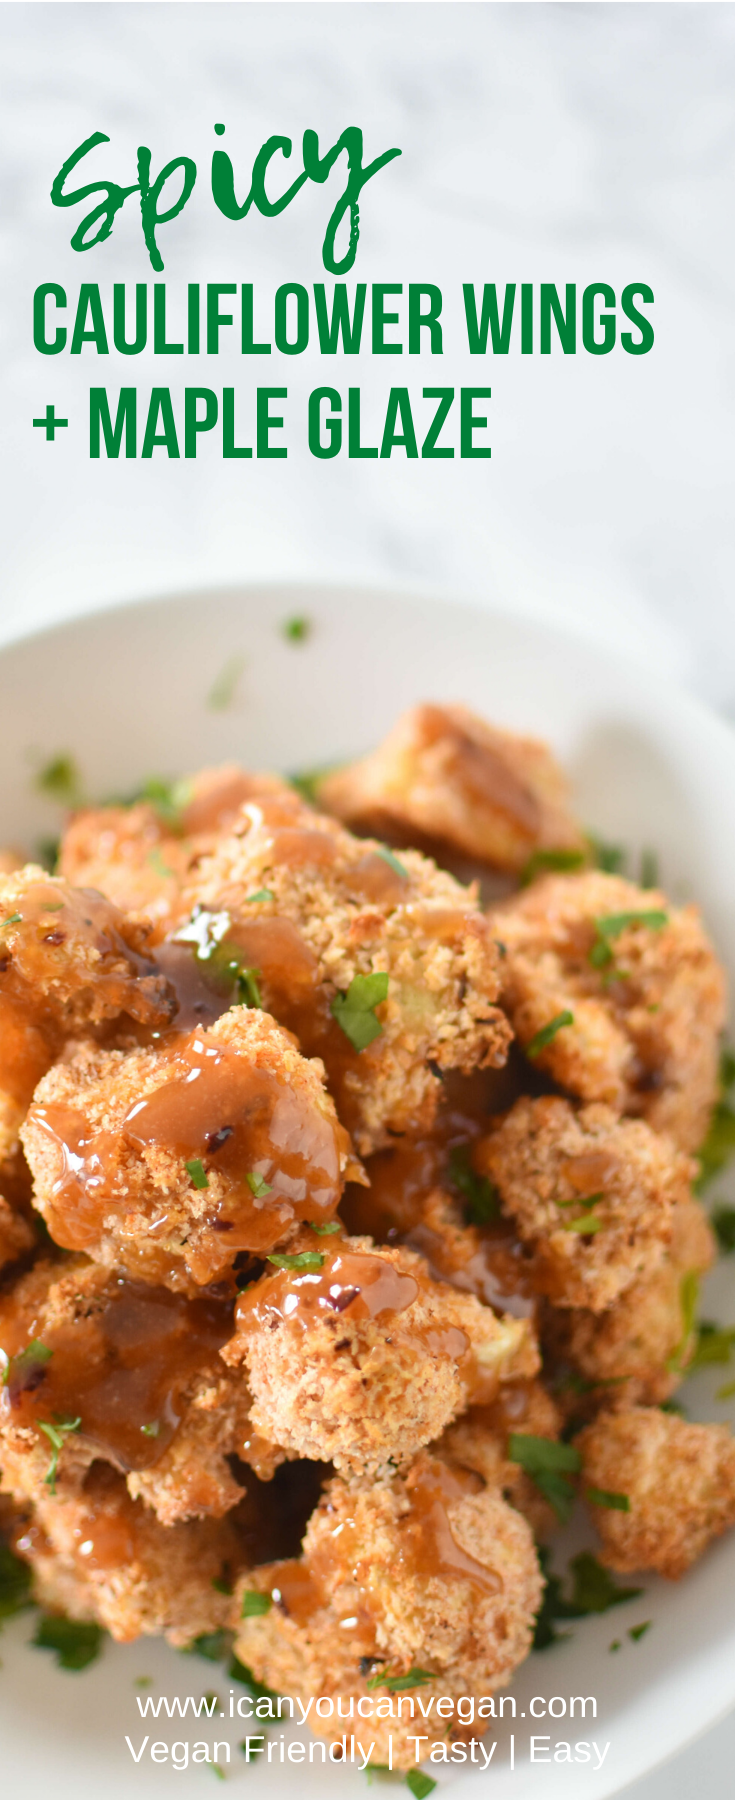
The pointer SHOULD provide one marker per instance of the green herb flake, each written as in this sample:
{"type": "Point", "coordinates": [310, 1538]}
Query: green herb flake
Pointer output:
{"type": "Point", "coordinates": [56, 1435]}
{"type": "Point", "coordinates": [615, 1645]}
{"type": "Point", "coordinates": [649, 869]}
{"type": "Point", "coordinates": [608, 857]}
{"type": "Point", "coordinates": [157, 862]}
{"type": "Point", "coordinates": [723, 1222]}
{"type": "Point", "coordinates": [152, 1430]}
{"type": "Point", "coordinates": [212, 1645]}
{"type": "Point", "coordinates": [688, 1299]}
{"type": "Point", "coordinates": [605, 1497]}
{"type": "Point", "coordinates": [594, 1590]}
{"type": "Point", "coordinates": [296, 630]}
{"type": "Point", "coordinates": [325, 1230]}
{"type": "Point", "coordinates": [714, 1345]}
{"type": "Point", "coordinates": [224, 686]}
{"type": "Point", "coordinates": [636, 1632]}
{"type": "Point", "coordinates": [168, 798]}
{"type": "Point", "coordinates": [399, 1684]}
{"type": "Point", "coordinates": [75, 1643]}
{"type": "Point", "coordinates": [22, 1371]}
{"type": "Point", "coordinates": [255, 1605]}
{"type": "Point", "coordinates": [239, 1671]}
{"type": "Point", "coordinates": [553, 1608]}
{"type": "Point", "coordinates": [548, 1033]}
{"type": "Point", "coordinates": [47, 853]}
{"type": "Point", "coordinates": [612, 925]}
{"type": "Point", "coordinates": [15, 919]}
{"type": "Point", "coordinates": [248, 991]}
{"type": "Point", "coordinates": [541, 862]}
{"type": "Point", "coordinates": [15, 1583]}
{"type": "Point", "coordinates": [60, 780]}
{"type": "Point", "coordinates": [393, 862]}
{"type": "Point", "coordinates": [585, 1227]}
{"type": "Point", "coordinates": [196, 1170]}
{"type": "Point", "coordinates": [355, 1010]}
{"type": "Point", "coordinates": [143, 1681]}
{"type": "Point", "coordinates": [719, 1145]}
{"type": "Point", "coordinates": [420, 1784]}
{"type": "Point", "coordinates": [262, 894]}
{"type": "Point", "coordinates": [726, 1392]}
{"type": "Point", "coordinates": [306, 1259]}
{"type": "Point", "coordinates": [216, 1770]}
{"type": "Point", "coordinates": [222, 1587]}
{"type": "Point", "coordinates": [549, 1465]}
{"type": "Point", "coordinates": [258, 1184]}
{"type": "Point", "coordinates": [482, 1200]}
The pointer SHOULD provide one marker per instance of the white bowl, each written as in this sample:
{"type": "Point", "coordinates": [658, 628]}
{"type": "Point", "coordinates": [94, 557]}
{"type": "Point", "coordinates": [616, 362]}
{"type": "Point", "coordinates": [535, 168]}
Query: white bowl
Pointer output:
{"type": "Point", "coordinates": [125, 692]}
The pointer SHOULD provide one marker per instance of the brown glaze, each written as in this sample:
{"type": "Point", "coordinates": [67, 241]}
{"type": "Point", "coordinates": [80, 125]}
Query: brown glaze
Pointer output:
{"type": "Point", "coordinates": [591, 1171]}
{"type": "Point", "coordinates": [68, 940]}
{"type": "Point", "coordinates": [488, 1261]}
{"type": "Point", "coordinates": [120, 1368]}
{"type": "Point", "coordinates": [362, 1286]}
{"type": "Point", "coordinates": [429, 1550]}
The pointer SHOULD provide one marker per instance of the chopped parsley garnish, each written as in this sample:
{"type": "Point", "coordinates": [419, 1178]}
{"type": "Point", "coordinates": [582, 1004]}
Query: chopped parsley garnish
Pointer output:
{"type": "Point", "coordinates": [307, 782]}
{"type": "Point", "coordinates": [726, 1392]}
{"type": "Point", "coordinates": [47, 853]}
{"type": "Point", "coordinates": [207, 932]}
{"type": "Point", "coordinates": [482, 1200]}
{"type": "Point", "coordinates": [714, 1345]}
{"type": "Point", "coordinates": [168, 798]}
{"type": "Point", "coordinates": [612, 925]}
{"type": "Point", "coordinates": [157, 862]}
{"type": "Point", "coordinates": [15, 919]}
{"type": "Point", "coordinates": [60, 779]}
{"type": "Point", "coordinates": [306, 1259]}
{"type": "Point", "coordinates": [420, 1784]}
{"type": "Point", "coordinates": [393, 862]}
{"type": "Point", "coordinates": [325, 1230]}
{"type": "Point", "coordinates": [23, 1372]}
{"type": "Point", "coordinates": [151, 1430]}
{"type": "Point", "coordinates": [239, 1671]}
{"type": "Point", "coordinates": [215, 1768]}
{"type": "Point", "coordinates": [605, 1497]}
{"type": "Point", "coordinates": [296, 630]}
{"type": "Point", "coordinates": [196, 1170]}
{"type": "Point", "coordinates": [548, 1033]}
{"type": "Point", "coordinates": [594, 1590]}
{"type": "Point", "coordinates": [399, 1684]}
{"type": "Point", "coordinates": [222, 1587]}
{"type": "Point", "coordinates": [608, 857]}
{"type": "Point", "coordinates": [258, 1184]}
{"type": "Point", "coordinates": [212, 1645]}
{"type": "Point", "coordinates": [719, 1144]}
{"type": "Point", "coordinates": [615, 1645]}
{"type": "Point", "coordinates": [636, 1632]}
{"type": "Point", "coordinates": [262, 894]}
{"type": "Point", "coordinates": [586, 1226]}
{"type": "Point", "coordinates": [541, 862]}
{"type": "Point", "coordinates": [355, 1010]}
{"type": "Point", "coordinates": [56, 1435]}
{"type": "Point", "coordinates": [15, 1583]}
{"type": "Point", "coordinates": [723, 1221]}
{"type": "Point", "coordinates": [549, 1465]}
{"type": "Point", "coordinates": [76, 1644]}
{"type": "Point", "coordinates": [224, 687]}
{"type": "Point", "coordinates": [254, 1605]}
{"type": "Point", "coordinates": [688, 1298]}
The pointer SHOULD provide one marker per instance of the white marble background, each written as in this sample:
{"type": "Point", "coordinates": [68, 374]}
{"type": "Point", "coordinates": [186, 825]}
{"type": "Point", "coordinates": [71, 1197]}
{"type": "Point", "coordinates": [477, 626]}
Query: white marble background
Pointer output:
{"type": "Point", "coordinates": [540, 142]}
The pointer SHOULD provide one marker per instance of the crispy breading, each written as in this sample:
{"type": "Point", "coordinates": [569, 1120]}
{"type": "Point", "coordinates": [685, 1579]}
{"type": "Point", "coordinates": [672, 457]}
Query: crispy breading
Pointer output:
{"type": "Point", "coordinates": [591, 1194]}
{"type": "Point", "coordinates": [68, 960]}
{"type": "Point", "coordinates": [679, 1480]}
{"type": "Point", "coordinates": [433, 1572]}
{"type": "Point", "coordinates": [140, 855]}
{"type": "Point", "coordinates": [648, 1001]}
{"type": "Point", "coordinates": [142, 1157]}
{"type": "Point", "coordinates": [443, 775]}
{"type": "Point", "coordinates": [311, 907]}
{"type": "Point", "coordinates": [101, 1556]}
{"type": "Point", "coordinates": [479, 1441]}
{"type": "Point", "coordinates": [120, 1352]}
{"type": "Point", "coordinates": [640, 1349]}
{"type": "Point", "coordinates": [17, 1236]}
{"type": "Point", "coordinates": [365, 1359]}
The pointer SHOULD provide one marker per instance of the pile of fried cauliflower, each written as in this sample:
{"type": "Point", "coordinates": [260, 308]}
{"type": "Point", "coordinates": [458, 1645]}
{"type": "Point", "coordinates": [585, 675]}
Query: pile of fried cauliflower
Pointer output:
{"type": "Point", "coordinates": [347, 1227]}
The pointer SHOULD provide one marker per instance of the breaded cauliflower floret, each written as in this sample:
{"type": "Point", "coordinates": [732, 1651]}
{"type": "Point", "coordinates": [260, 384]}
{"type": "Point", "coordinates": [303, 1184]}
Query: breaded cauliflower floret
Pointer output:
{"type": "Point", "coordinates": [138, 1369]}
{"type": "Point", "coordinates": [141, 855]}
{"type": "Point", "coordinates": [679, 1480]}
{"type": "Point", "coordinates": [643, 985]}
{"type": "Point", "coordinates": [310, 908]}
{"type": "Point", "coordinates": [640, 1349]}
{"type": "Point", "coordinates": [444, 776]}
{"type": "Point", "coordinates": [358, 1357]}
{"type": "Point", "coordinates": [432, 1572]}
{"type": "Point", "coordinates": [592, 1195]}
{"type": "Point", "coordinates": [169, 1162]}
{"type": "Point", "coordinates": [68, 959]}
{"type": "Point", "coordinates": [99, 1555]}
{"type": "Point", "coordinates": [480, 1441]}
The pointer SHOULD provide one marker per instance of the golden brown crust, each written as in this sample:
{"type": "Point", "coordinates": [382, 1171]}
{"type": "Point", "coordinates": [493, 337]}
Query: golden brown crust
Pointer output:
{"type": "Point", "coordinates": [17, 1236]}
{"type": "Point", "coordinates": [445, 775]}
{"type": "Point", "coordinates": [645, 1023]}
{"type": "Point", "coordinates": [353, 914]}
{"type": "Point", "coordinates": [479, 1441]}
{"type": "Point", "coordinates": [679, 1480]}
{"type": "Point", "coordinates": [559, 1169]}
{"type": "Point", "coordinates": [333, 1383]}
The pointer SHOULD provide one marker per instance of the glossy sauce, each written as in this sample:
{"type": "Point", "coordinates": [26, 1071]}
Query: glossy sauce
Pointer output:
{"type": "Point", "coordinates": [591, 1171]}
{"type": "Point", "coordinates": [76, 922]}
{"type": "Point", "coordinates": [360, 1286]}
{"type": "Point", "coordinates": [120, 1369]}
